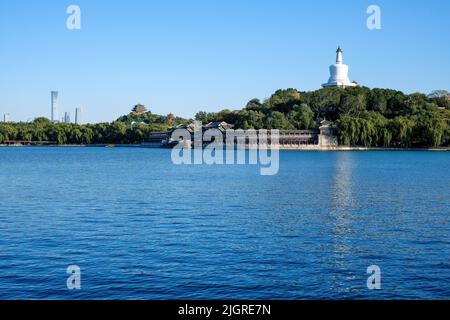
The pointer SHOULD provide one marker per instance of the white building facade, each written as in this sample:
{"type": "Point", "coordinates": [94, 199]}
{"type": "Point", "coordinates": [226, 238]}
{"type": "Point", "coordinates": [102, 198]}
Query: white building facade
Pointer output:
{"type": "Point", "coordinates": [339, 74]}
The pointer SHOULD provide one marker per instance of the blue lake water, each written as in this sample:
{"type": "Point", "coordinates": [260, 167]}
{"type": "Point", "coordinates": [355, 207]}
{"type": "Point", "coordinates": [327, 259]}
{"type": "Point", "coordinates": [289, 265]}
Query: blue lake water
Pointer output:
{"type": "Point", "coordinates": [140, 227]}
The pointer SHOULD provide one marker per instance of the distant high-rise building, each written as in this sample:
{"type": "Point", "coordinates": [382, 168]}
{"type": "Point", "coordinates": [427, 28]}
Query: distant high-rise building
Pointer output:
{"type": "Point", "coordinates": [67, 117]}
{"type": "Point", "coordinates": [78, 113]}
{"type": "Point", "coordinates": [6, 117]}
{"type": "Point", "coordinates": [55, 113]}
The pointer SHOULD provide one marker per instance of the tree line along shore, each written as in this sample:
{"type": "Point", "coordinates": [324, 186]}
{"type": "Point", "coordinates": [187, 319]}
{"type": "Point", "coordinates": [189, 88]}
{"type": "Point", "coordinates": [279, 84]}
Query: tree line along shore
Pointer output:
{"type": "Point", "coordinates": [368, 118]}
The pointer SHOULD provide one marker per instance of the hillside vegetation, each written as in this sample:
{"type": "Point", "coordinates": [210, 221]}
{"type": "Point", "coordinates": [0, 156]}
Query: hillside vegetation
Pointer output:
{"type": "Point", "coordinates": [365, 117]}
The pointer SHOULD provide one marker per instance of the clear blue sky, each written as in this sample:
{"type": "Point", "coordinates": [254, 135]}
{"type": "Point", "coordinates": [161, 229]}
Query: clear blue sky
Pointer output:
{"type": "Point", "coordinates": [185, 56]}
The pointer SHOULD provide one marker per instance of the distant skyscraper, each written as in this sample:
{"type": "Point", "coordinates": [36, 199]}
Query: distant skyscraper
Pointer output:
{"type": "Point", "coordinates": [67, 117]}
{"type": "Point", "coordinates": [55, 113]}
{"type": "Point", "coordinates": [6, 117]}
{"type": "Point", "coordinates": [78, 115]}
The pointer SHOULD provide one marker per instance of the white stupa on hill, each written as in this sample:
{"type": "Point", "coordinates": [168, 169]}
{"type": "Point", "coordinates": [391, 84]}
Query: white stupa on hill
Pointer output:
{"type": "Point", "coordinates": [339, 74]}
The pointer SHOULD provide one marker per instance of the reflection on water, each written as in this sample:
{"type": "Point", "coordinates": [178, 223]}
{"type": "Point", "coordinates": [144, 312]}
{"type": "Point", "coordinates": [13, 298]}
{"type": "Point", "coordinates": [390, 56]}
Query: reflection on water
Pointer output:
{"type": "Point", "coordinates": [343, 200]}
{"type": "Point", "coordinates": [342, 211]}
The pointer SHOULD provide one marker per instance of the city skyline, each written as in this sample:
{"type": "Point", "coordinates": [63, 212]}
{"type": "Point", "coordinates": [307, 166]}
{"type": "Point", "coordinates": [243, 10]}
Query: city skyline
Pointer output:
{"type": "Point", "coordinates": [54, 112]}
{"type": "Point", "coordinates": [205, 61]}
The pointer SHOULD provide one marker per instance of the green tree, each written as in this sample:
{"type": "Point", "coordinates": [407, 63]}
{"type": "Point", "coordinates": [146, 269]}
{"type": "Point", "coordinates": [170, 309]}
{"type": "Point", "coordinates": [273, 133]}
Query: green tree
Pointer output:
{"type": "Point", "coordinates": [277, 120]}
{"type": "Point", "coordinates": [254, 105]}
{"type": "Point", "coordinates": [402, 131]}
{"type": "Point", "coordinates": [283, 100]}
{"type": "Point", "coordinates": [302, 117]}
{"type": "Point", "coordinates": [205, 117]}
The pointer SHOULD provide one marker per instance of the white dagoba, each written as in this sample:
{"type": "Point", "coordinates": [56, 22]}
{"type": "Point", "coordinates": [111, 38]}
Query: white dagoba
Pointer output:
{"type": "Point", "coordinates": [339, 74]}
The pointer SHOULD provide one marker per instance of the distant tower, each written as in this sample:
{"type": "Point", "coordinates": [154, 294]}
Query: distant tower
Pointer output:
{"type": "Point", "coordinates": [55, 113]}
{"type": "Point", "coordinates": [139, 109]}
{"type": "Point", "coordinates": [6, 117]}
{"type": "Point", "coordinates": [339, 56]}
{"type": "Point", "coordinates": [67, 117]}
{"type": "Point", "coordinates": [78, 115]}
{"type": "Point", "coordinates": [339, 74]}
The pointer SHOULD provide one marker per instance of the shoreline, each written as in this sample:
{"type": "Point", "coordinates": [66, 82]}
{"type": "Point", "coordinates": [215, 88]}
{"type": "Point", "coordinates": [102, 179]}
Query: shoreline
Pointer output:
{"type": "Point", "coordinates": [282, 148]}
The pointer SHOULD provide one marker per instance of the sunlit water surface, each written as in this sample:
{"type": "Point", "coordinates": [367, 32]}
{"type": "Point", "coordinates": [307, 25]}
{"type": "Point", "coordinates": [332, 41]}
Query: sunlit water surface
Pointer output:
{"type": "Point", "coordinates": [140, 227]}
